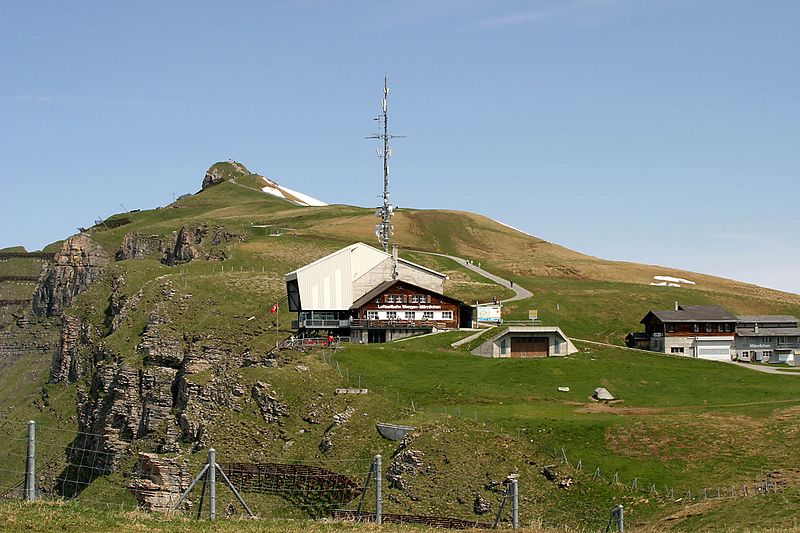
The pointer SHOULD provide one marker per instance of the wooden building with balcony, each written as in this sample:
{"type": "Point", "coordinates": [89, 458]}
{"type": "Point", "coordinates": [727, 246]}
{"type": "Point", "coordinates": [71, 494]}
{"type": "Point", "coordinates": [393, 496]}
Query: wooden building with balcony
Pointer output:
{"type": "Point", "coordinates": [366, 295]}
{"type": "Point", "coordinates": [705, 332]}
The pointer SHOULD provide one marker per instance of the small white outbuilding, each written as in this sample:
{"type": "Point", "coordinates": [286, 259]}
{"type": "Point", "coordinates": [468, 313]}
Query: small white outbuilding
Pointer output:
{"type": "Point", "coordinates": [527, 341]}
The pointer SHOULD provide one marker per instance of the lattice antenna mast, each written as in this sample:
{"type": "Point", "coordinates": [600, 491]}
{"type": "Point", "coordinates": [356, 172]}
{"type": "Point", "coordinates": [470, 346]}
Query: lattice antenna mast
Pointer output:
{"type": "Point", "coordinates": [384, 229]}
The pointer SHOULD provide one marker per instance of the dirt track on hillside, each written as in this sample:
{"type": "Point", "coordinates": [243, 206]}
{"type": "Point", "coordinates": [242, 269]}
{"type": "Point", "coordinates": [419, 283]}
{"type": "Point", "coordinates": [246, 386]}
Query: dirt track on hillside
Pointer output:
{"type": "Point", "coordinates": [620, 410]}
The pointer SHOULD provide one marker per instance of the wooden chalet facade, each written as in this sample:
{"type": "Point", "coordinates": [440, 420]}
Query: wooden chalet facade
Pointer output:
{"type": "Point", "coordinates": [368, 296]}
{"type": "Point", "coordinates": [705, 332]}
{"type": "Point", "coordinates": [397, 309]}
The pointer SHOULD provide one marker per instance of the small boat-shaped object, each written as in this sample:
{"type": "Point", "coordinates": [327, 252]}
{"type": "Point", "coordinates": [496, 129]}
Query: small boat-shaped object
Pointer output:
{"type": "Point", "coordinates": [393, 431]}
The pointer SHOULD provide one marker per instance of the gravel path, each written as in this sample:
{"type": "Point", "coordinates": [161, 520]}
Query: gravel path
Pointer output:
{"type": "Point", "coordinates": [520, 293]}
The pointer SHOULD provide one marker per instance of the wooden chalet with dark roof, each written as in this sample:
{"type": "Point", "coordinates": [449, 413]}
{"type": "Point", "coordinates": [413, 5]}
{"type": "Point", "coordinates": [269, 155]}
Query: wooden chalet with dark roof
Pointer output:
{"type": "Point", "coordinates": [395, 309]}
{"type": "Point", "coordinates": [367, 295]}
{"type": "Point", "coordinates": [705, 332]}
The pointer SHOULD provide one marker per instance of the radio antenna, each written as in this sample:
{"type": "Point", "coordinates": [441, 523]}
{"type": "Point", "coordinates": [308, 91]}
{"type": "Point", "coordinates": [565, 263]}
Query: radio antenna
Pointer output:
{"type": "Point", "coordinates": [384, 229]}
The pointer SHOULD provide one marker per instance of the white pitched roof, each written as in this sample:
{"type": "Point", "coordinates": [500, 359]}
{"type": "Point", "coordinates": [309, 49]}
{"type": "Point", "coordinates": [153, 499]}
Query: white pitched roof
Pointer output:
{"type": "Point", "coordinates": [327, 283]}
{"type": "Point", "coordinates": [364, 251]}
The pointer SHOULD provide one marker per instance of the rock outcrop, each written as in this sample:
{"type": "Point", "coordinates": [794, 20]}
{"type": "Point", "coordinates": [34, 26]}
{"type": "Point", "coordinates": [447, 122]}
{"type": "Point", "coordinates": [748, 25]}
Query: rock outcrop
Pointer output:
{"type": "Point", "coordinates": [122, 399]}
{"type": "Point", "coordinates": [79, 263]}
{"type": "Point", "coordinates": [158, 481]}
{"type": "Point", "coordinates": [481, 505]}
{"type": "Point", "coordinates": [67, 364]}
{"type": "Point", "coordinates": [213, 177]}
{"type": "Point", "coordinates": [184, 249]}
{"type": "Point", "coordinates": [220, 172]}
{"type": "Point", "coordinates": [194, 243]}
{"type": "Point", "coordinates": [272, 410]}
{"type": "Point", "coordinates": [403, 467]}
{"type": "Point", "coordinates": [339, 419]}
{"type": "Point", "coordinates": [139, 246]}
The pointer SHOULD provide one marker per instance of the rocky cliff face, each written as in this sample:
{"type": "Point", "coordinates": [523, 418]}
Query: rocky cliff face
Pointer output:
{"type": "Point", "coordinates": [184, 249]}
{"type": "Point", "coordinates": [222, 171]}
{"type": "Point", "coordinates": [139, 246]}
{"type": "Point", "coordinates": [158, 482]}
{"type": "Point", "coordinates": [199, 242]}
{"type": "Point", "coordinates": [125, 399]}
{"type": "Point", "coordinates": [79, 262]}
{"type": "Point", "coordinates": [67, 364]}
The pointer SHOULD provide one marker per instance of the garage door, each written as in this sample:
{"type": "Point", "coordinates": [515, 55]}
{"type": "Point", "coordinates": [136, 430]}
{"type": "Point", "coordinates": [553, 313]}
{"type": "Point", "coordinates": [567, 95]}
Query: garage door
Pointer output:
{"type": "Point", "coordinates": [529, 346]}
{"type": "Point", "coordinates": [713, 350]}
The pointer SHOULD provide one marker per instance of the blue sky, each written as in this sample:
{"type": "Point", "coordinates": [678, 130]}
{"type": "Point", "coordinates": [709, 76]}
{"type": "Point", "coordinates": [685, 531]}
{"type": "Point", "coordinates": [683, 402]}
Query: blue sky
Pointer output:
{"type": "Point", "coordinates": [657, 131]}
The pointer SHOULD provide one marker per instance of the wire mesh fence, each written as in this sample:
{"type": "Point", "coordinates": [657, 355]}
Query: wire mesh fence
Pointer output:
{"type": "Point", "coordinates": [98, 471]}
{"type": "Point", "coordinates": [768, 482]}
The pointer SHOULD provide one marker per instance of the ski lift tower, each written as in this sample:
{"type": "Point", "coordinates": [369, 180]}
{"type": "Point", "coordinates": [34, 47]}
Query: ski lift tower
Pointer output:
{"type": "Point", "coordinates": [384, 228]}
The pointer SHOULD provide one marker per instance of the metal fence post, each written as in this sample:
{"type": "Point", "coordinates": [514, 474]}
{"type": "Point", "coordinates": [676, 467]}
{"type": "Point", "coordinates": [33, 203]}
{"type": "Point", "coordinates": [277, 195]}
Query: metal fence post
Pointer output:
{"type": "Point", "coordinates": [30, 464]}
{"type": "Point", "coordinates": [620, 518]}
{"type": "Point", "coordinates": [378, 495]}
{"type": "Point", "coordinates": [212, 483]}
{"type": "Point", "coordinates": [514, 504]}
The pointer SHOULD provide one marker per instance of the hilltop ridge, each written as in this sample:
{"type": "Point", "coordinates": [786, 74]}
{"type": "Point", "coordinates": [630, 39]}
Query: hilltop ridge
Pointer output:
{"type": "Point", "coordinates": [237, 173]}
{"type": "Point", "coordinates": [153, 334]}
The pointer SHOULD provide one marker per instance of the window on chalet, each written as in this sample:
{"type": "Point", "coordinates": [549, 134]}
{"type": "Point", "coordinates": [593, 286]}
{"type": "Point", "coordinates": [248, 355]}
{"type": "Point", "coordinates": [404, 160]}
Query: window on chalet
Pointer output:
{"type": "Point", "coordinates": [766, 354]}
{"type": "Point", "coordinates": [708, 327]}
{"type": "Point", "coordinates": [676, 349]}
{"type": "Point", "coordinates": [394, 298]}
{"type": "Point", "coordinates": [427, 315]}
{"type": "Point", "coordinates": [409, 315]}
{"type": "Point", "coordinates": [767, 339]}
{"type": "Point", "coordinates": [372, 315]}
{"type": "Point", "coordinates": [696, 328]}
{"type": "Point", "coordinates": [391, 315]}
{"type": "Point", "coordinates": [418, 298]}
{"type": "Point", "coordinates": [671, 328]}
{"type": "Point", "coordinates": [447, 315]}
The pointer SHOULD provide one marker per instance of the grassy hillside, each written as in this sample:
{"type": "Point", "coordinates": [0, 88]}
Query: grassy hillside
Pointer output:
{"type": "Point", "coordinates": [682, 424]}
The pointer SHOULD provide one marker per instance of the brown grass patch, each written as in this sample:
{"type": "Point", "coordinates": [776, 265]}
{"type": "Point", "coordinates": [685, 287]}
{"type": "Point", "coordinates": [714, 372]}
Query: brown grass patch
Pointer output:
{"type": "Point", "coordinates": [684, 437]}
{"type": "Point", "coordinates": [605, 407]}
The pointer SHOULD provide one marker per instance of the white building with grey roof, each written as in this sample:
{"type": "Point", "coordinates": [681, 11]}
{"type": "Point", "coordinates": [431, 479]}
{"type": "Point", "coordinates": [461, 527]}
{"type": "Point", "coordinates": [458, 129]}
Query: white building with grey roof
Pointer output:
{"type": "Point", "coordinates": [768, 339]}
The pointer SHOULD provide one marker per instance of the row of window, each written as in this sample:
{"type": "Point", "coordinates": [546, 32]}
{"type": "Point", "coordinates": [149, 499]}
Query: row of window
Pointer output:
{"type": "Point", "coordinates": [406, 298]}
{"type": "Point", "coordinates": [709, 327]}
{"type": "Point", "coordinates": [753, 354]}
{"type": "Point", "coordinates": [409, 315]}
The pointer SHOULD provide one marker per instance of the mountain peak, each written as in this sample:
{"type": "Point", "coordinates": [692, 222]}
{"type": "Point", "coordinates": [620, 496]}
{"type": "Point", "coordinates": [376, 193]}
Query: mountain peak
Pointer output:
{"type": "Point", "coordinates": [231, 170]}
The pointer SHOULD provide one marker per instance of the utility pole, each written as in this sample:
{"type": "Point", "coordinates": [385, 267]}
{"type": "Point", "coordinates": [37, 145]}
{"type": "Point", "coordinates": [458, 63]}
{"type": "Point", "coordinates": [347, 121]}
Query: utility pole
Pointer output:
{"type": "Point", "coordinates": [383, 230]}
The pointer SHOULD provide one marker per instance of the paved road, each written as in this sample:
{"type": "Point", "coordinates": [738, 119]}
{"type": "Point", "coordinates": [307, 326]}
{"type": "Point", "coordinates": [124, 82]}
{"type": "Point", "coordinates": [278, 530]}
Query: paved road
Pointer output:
{"type": "Point", "coordinates": [762, 368]}
{"type": "Point", "coordinates": [520, 293]}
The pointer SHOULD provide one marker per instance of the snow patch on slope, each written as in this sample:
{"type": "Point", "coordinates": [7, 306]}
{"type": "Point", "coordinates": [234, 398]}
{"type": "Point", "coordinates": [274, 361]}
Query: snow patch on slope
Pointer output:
{"type": "Point", "coordinates": [306, 199]}
{"type": "Point", "coordinates": [673, 280]}
{"type": "Point", "coordinates": [291, 195]}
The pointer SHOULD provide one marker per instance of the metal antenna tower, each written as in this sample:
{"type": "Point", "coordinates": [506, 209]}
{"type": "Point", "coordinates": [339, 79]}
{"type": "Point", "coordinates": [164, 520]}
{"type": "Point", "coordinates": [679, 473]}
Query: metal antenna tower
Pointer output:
{"type": "Point", "coordinates": [384, 229]}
